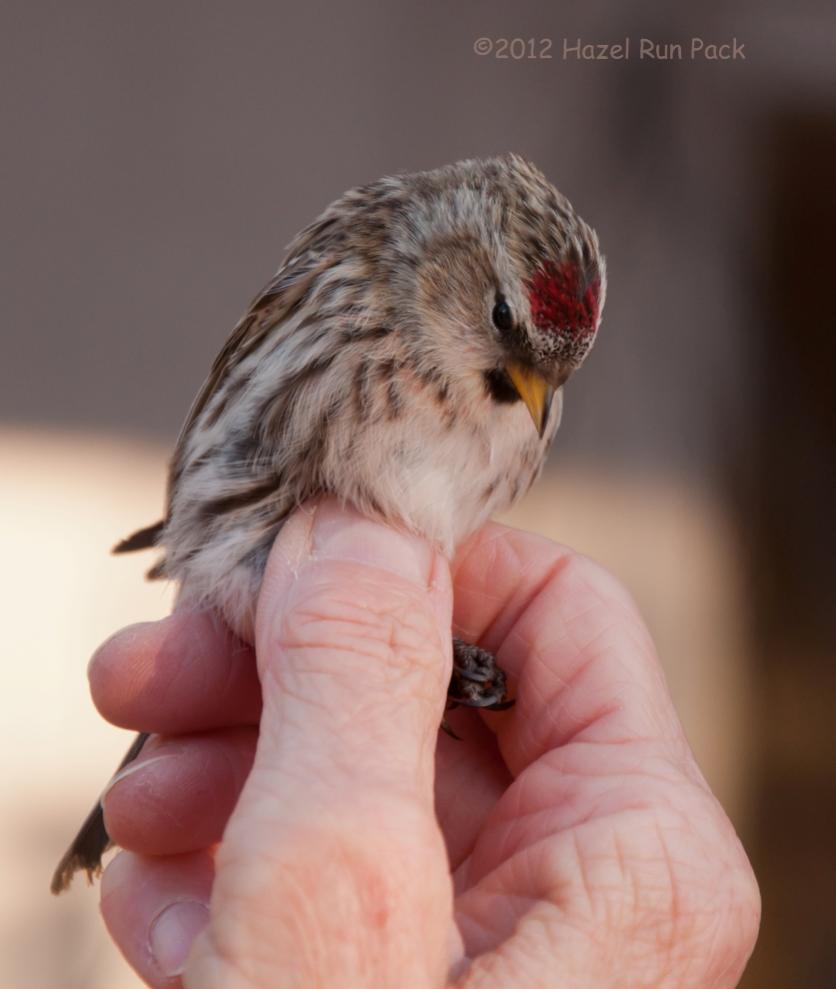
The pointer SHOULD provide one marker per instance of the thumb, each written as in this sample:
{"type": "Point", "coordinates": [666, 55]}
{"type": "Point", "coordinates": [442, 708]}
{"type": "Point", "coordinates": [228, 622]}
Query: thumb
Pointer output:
{"type": "Point", "coordinates": [353, 638]}
{"type": "Point", "coordinates": [333, 870]}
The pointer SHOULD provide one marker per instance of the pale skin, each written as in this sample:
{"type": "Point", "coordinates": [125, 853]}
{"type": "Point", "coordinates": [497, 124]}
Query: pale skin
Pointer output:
{"type": "Point", "coordinates": [570, 842]}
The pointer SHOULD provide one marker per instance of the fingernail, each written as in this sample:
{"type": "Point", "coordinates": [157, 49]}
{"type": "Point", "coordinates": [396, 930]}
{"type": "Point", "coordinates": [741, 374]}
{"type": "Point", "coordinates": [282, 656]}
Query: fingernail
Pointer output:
{"type": "Point", "coordinates": [131, 769]}
{"type": "Point", "coordinates": [344, 534]}
{"type": "Point", "coordinates": [172, 933]}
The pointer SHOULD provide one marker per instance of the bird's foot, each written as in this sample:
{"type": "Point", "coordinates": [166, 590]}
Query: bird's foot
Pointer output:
{"type": "Point", "coordinates": [477, 681]}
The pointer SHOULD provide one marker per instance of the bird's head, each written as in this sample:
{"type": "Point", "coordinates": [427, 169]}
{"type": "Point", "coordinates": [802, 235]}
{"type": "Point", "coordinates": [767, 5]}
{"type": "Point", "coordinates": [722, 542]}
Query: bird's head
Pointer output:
{"type": "Point", "coordinates": [502, 280]}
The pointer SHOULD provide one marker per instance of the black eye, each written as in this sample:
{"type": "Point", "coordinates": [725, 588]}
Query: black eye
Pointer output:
{"type": "Point", "coordinates": [502, 318]}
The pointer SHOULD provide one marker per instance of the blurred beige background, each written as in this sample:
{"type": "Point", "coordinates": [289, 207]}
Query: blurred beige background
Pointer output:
{"type": "Point", "coordinates": [157, 157]}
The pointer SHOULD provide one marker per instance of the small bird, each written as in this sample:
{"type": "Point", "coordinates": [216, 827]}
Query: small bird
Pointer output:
{"type": "Point", "coordinates": [409, 358]}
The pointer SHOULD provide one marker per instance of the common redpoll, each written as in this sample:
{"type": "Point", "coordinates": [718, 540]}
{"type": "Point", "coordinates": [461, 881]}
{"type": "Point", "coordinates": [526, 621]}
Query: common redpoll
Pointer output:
{"type": "Point", "coordinates": [397, 360]}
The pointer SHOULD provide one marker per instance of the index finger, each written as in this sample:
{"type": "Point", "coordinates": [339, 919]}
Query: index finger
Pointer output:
{"type": "Point", "coordinates": [570, 636]}
{"type": "Point", "coordinates": [185, 673]}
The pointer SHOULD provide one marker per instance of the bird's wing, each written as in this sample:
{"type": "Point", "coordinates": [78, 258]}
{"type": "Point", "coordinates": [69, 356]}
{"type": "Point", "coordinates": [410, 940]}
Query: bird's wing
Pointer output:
{"type": "Point", "coordinates": [311, 253]}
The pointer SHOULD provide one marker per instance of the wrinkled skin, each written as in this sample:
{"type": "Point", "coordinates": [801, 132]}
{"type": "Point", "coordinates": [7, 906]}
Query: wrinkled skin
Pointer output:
{"type": "Point", "coordinates": [569, 842]}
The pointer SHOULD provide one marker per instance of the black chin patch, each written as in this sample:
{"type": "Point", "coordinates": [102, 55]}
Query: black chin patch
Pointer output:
{"type": "Point", "coordinates": [500, 387]}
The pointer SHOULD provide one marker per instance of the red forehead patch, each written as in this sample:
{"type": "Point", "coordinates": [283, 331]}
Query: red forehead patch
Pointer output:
{"type": "Point", "coordinates": [559, 301]}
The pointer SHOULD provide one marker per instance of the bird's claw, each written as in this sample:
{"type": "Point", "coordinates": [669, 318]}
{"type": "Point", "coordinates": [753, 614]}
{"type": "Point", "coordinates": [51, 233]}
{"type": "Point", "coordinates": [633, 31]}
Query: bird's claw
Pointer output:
{"type": "Point", "coordinates": [477, 681]}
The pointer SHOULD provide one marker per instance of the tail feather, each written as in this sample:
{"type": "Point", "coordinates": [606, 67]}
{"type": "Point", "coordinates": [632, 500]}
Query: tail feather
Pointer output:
{"type": "Point", "coordinates": [141, 539]}
{"type": "Point", "coordinates": [92, 840]}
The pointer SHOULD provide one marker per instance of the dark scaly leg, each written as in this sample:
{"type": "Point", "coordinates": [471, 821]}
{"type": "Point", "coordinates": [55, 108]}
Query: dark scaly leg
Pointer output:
{"type": "Point", "coordinates": [477, 681]}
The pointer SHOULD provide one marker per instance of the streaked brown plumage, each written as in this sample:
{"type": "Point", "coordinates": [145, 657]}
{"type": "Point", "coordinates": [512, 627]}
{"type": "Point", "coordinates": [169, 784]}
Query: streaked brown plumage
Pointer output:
{"type": "Point", "coordinates": [396, 360]}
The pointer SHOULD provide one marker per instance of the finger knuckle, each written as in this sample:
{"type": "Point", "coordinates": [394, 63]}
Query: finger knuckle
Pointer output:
{"type": "Point", "coordinates": [331, 887]}
{"type": "Point", "coordinates": [693, 906]}
{"type": "Point", "coordinates": [393, 627]}
{"type": "Point", "coordinates": [675, 901]}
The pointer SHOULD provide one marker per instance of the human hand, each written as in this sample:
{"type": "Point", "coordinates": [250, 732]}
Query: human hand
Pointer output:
{"type": "Point", "coordinates": [570, 841]}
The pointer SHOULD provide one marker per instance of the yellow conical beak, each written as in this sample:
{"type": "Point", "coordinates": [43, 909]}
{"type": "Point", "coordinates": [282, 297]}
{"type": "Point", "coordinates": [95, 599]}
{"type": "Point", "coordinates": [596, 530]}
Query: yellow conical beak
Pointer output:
{"type": "Point", "coordinates": [534, 390]}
